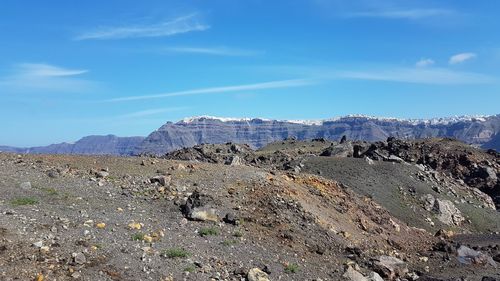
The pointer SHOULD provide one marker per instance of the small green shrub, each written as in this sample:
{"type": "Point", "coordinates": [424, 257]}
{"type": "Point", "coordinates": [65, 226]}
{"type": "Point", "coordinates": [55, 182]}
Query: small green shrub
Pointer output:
{"type": "Point", "coordinates": [49, 190]}
{"type": "Point", "coordinates": [24, 201]}
{"type": "Point", "coordinates": [238, 234]}
{"type": "Point", "coordinates": [138, 236]}
{"type": "Point", "coordinates": [229, 242]}
{"type": "Point", "coordinates": [176, 253]}
{"type": "Point", "coordinates": [292, 268]}
{"type": "Point", "coordinates": [209, 231]}
{"type": "Point", "coordinates": [189, 269]}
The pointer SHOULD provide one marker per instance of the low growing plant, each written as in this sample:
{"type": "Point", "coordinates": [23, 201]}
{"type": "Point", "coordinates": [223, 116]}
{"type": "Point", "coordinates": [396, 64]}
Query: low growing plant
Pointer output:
{"type": "Point", "coordinates": [138, 236]}
{"type": "Point", "coordinates": [209, 231]}
{"type": "Point", "coordinates": [291, 268]}
{"type": "Point", "coordinates": [176, 253]}
{"type": "Point", "coordinates": [24, 201]}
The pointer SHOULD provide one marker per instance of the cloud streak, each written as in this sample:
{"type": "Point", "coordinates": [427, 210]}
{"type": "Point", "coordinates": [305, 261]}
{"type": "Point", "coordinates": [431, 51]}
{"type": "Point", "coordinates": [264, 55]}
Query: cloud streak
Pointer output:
{"type": "Point", "coordinates": [35, 77]}
{"type": "Point", "coordinates": [436, 76]}
{"type": "Point", "coordinates": [46, 70]}
{"type": "Point", "coordinates": [461, 58]}
{"type": "Point", "coordinates": [155, 111]}
{"type": "Point", "coordinates": [410, 14]}
{"type": "Point", "coordinates": [384, 73]}
{"type": "Point", "coordinates": [424, 62]}
{"type": "Point", "coordinates": [215, 51]}
{"type": "Point", "coordinates": [385, 9]}
{"type": "Point", "coordinates": [172, 27]}
{"type": "Point", "coordinates": [225, 89]}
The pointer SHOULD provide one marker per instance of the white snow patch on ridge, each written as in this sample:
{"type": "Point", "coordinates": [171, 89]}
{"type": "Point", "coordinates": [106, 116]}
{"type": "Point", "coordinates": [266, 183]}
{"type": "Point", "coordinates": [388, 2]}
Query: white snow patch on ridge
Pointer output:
{"type": "Point", "coordinates": [431, 121]}
{"type": "Point", "coordinates": [229, 119]}
{"type": "Point", "coordinates": [222, 119]}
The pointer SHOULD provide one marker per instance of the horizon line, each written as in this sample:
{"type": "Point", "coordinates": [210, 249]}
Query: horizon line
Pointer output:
{"type": "Point", "coordinates": [309, 122]}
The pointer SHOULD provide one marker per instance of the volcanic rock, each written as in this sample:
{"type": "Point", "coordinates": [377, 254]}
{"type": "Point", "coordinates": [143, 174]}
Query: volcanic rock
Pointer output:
{"type": "Point", "coordinates": [390, 267]}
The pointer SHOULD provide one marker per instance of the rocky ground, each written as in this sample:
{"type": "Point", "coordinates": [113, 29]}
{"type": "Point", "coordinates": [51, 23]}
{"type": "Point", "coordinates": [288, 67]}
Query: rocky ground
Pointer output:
{"type": "Point", "coordinates": [293, 210]}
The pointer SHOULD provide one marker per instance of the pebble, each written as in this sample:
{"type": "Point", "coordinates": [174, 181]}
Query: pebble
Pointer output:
{"type": "Point", "coordinates": [102, 174]}
{"type": "Point", "coordinates": [256, 274]}
{"type": "Point", "coordinates": [44, 249]}
{"type": "Point", "coordinates": [424, 259]}
{"type": "Point", "coordinates": [135, 225]}
{"type": "Point", "coordinates": [147, 238]}
{"type": "Point", "coordinates": [162, 180]}
{"type": "Point", "coordinates": [79, 258]}
{"type": "Point", "coordinates": [345, 234]}
{"type": "Point", "coordinates": [25, 185]}
{"type": "Point", "coordinates": [88, 223]}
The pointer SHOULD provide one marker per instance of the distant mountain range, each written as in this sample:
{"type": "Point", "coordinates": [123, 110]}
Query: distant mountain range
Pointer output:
{"type": "Point", "coordinates": [481, 131]}
{"type": "Point", "coordinates": [91, 145]}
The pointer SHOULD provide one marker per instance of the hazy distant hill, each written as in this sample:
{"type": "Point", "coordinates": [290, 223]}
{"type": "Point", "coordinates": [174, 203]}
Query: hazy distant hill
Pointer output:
{"type": "Point", "coordinates": [95, 145]}
{"type": "Point", "coordinates": [479, 131]}
{"type": "Point", "coordinates": [494, 143]}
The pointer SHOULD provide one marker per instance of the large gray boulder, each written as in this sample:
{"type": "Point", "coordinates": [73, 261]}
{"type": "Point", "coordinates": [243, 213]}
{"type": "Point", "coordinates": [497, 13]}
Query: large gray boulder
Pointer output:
{"type": "Point", "coordinates": [353, 275]}
{"type": "Point", "coordinates": [428, 200]}
{"type": "Point", "coordinates": [467, 255]}
{"type": "Point", "coordinates": [339, 150]}
{"type": "Point", "coordinates": [390, 267]}
{"type": "Point", "coordinates": [447, 213]}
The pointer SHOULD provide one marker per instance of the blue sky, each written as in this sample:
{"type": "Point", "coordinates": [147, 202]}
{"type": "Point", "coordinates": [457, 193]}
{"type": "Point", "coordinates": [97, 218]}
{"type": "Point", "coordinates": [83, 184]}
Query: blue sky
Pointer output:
{"type": "Point", "coordinates": [70, 69]}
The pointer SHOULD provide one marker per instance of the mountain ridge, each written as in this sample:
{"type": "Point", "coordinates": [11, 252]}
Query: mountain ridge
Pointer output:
{"type": "Point", "coordinates": [478, 130]}
{"type": "Point", "coordinates": [88, 145]}
{"type": "Point", "coordinates": [435, 120]}
{"type": "Point", "coordinates": [257, 132]}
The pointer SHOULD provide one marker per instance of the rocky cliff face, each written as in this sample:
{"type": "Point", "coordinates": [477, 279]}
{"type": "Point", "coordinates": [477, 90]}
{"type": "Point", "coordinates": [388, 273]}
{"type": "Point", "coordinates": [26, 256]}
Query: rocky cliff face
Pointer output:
{"type": "Point", "coordinates": [479, 131]}
{"type": "Point", "coordinates": [259, 132]}
{"type": "Point", "coordinates": [90, 145]}
{"type": "Point", "coordinates": [493, 143]}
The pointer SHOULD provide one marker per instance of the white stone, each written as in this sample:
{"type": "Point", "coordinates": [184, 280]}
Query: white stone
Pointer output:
{"type": "Point", "coordinates": [256, 274]}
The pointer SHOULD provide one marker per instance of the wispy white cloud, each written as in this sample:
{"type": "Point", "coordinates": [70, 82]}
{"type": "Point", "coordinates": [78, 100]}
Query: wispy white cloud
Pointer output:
{"type": "Point", "coordinates": [383, 72]}
{"type": "Point", "coordinates": [386, 9]}
{"type": "Point", "coordinates": [410, 14]}
{"type": "Point", "coordinates": [224, 89]}
{"type": "Point", "coordinates": [154, 111]}
{"type": "Point", "coordinates": [27, 77]}
{"type": "Point", "coordinates": [437, 76]}
{"type": "Point", "coordinates": [216, 51]}
{"type": "Point", "coordinates": [461, 58]}
{"type": "Point", "coordinates": [46, 70]}
{"type": "Point", "coordinates": [424, 62]}
{"type": "Point", "coordinates": [172, 27]}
